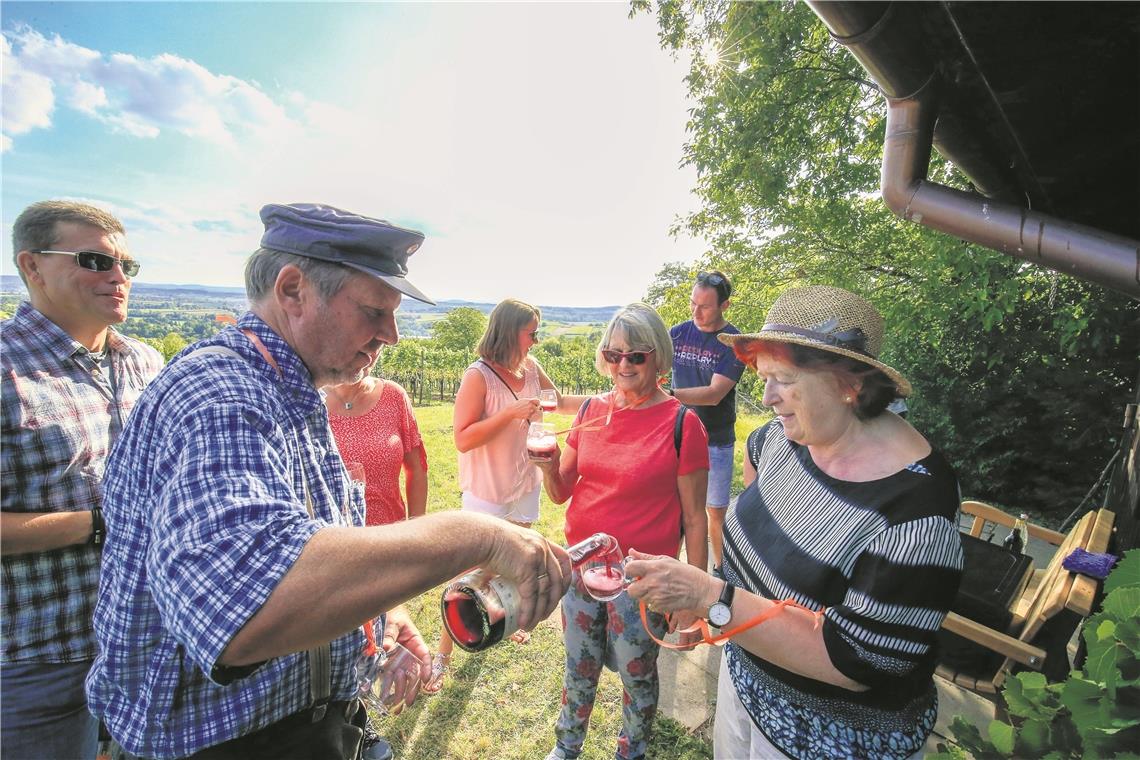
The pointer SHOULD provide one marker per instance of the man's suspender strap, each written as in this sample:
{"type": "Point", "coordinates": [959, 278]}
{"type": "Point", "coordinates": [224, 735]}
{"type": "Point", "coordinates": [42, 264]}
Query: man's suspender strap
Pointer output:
{"type": "Point", "coordinates": [678, 425]}
{"type": "Point", "coordinates": [320, 658]}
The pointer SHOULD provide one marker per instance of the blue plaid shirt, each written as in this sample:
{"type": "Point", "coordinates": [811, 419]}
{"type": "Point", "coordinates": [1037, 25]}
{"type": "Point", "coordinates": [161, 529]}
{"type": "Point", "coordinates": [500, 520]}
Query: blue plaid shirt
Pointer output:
{"type": "Point", "coordinates": [60, 414]}
{"type": "Point", "coordinates": [204, 502]}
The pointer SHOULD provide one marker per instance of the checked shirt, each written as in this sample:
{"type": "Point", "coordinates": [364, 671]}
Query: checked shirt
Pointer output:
{"type": "Point", "coordinates": [205, 512]}
{"type": "Point", "coordinates": [59, 416]}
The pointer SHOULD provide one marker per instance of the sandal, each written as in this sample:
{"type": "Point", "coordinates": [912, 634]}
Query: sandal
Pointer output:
{"type": "Point", "coordinates": [440, 665]}
{"type": "Point", "coordinates": [520, 637]}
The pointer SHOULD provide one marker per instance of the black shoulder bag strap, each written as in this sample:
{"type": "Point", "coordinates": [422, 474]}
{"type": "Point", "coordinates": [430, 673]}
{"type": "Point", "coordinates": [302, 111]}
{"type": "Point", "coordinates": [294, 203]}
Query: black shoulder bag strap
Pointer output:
{"type": "Point", "coordinates": [501, 380]}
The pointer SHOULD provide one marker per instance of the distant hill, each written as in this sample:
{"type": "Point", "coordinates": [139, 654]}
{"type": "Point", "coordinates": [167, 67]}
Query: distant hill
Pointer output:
{"type": "Point", "coordinates": [211, 295]}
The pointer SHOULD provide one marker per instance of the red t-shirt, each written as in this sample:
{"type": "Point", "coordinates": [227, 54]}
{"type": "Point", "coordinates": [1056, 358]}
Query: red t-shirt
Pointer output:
{"type": "Point", "coordinates": [627, 475]}
{"type": "Point", "coordinates": [379, 440]}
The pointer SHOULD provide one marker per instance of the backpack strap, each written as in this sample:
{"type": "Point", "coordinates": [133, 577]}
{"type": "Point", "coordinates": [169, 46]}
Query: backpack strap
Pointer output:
{"type": "Point", "coordinates": [678, 425]}
{"type": "Point", "coordinates": [679, 429]}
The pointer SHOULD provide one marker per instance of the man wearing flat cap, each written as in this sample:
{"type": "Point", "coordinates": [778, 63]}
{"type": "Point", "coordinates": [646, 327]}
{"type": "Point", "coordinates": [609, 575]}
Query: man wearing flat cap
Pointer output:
{"type": "Point", "coordinates": [239, 590]}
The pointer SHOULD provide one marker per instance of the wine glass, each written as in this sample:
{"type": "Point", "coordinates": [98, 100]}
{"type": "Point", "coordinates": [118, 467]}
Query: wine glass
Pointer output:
{"type": "Point", "coordinates": [391, 681]}
{"type": "Point", "coordinates": [548, 400]}
{"type": "Point", "coordinates": [541, 441]}
{"type": "Point", "coordinates": [603, 572]}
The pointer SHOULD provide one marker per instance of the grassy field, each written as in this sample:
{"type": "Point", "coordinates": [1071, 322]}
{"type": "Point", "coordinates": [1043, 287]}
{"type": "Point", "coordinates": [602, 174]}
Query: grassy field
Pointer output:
{"type": "Point", "coordinates": [502, 703]}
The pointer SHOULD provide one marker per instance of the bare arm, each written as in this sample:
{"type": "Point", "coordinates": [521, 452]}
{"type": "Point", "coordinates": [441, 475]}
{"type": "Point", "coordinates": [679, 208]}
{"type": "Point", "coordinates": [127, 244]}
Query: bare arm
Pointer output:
{"type": "Point", "coordinates": [693, 488]}
{"type": "Point", "coordinates": [470, 430]}
{"type": "Point", "coordinates": [566, 404]}
{"type": "Point", "coordinates": [415, 481]}
{"type": "Point", "coordinates": [792, 640]}
{"type": "Point", "coordinates": [560, 474]}
{"type": "Point", "coordinates": [375, 569]}
{"type": "Point", "coordinates": [27, 532]}
{"type": "Point", "coordinates": [705, 395]}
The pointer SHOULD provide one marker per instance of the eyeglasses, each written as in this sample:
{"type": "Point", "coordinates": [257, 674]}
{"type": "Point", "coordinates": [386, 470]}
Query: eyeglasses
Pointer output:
{"type": "Point", "coordinates": [97, 261]}
{"type": "Point", "coordinates": [633, 357]}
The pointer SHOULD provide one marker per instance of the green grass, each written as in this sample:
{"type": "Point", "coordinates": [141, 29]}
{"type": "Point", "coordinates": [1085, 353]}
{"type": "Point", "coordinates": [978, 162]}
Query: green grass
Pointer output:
{"type": "Point", "coordinates": [503, 703]}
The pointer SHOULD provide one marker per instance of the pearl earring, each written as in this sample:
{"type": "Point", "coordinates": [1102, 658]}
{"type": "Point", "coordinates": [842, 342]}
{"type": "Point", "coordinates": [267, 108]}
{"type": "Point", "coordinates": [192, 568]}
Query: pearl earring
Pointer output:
{"type": "Point", "coordinates": [847, 399]}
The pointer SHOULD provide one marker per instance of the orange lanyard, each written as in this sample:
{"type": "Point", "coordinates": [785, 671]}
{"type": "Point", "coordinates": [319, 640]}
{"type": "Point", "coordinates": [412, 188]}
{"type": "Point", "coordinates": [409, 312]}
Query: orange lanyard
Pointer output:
{"type": "Point", "coordinates": [587, 425]}
{"type": "Point", "coordinates": [261, 349]}
{"type": "Point", "coordinates": [706, 635]}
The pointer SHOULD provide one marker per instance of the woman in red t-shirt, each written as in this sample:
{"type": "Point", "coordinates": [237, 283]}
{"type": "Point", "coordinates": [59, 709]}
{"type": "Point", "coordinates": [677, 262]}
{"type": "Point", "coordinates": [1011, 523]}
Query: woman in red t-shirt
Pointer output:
{"type": "Point", "coordinates": [624, 476]}
{"type": "Point", "coordinates": [375, 430]}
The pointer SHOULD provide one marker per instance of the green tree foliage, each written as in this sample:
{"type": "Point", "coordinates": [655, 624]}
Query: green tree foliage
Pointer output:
{"type": "Point", "coordinates": [1020, 374]}
{"type": "Point", "coordinates": [460, 329]}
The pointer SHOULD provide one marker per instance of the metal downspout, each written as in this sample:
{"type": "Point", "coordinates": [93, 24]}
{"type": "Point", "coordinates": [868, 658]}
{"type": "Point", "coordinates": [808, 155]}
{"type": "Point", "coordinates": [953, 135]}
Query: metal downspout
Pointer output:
{"type": "Point", "coordinates": [1085, 252]}
{"type": "Point", "coordinates": [887, 45]}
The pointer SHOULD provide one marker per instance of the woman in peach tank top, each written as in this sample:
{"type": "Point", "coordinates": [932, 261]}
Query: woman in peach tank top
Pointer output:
{"type": "Point", "coordinates": [497, 400]}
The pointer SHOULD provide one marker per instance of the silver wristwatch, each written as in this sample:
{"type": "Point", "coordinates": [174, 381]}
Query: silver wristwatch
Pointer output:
{"type": "Point", "coordinates": [720, 611]}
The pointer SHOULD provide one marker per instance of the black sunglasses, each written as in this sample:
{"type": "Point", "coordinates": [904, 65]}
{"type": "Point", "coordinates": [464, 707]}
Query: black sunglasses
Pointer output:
{"type": "Point", "coordinates": [97, 261]}
{"type": "Point", "coordinates": [634, 357]}
{"type": "Point", "coordinates": [715, 280]}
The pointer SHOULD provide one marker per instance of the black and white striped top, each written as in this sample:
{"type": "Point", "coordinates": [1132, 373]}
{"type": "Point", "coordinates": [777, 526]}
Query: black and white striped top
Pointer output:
{"type": "Point", "coordinates": [883, 557]}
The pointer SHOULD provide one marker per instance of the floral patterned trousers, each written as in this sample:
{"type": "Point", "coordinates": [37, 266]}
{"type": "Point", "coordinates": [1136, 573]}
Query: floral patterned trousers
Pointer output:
{"type": "Point", "coordinates": [611, 634]}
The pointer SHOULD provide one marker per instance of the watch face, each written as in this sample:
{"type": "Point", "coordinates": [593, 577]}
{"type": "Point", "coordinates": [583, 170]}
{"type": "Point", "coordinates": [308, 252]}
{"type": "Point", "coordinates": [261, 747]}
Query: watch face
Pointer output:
{"type": "Point", "coordinates": [719, 614]}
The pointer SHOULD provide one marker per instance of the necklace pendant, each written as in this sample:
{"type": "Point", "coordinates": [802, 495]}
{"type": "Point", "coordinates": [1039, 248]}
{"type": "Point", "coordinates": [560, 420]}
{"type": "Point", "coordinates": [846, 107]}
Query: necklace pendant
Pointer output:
{"type": "Point", "coordinates": [347, 404]}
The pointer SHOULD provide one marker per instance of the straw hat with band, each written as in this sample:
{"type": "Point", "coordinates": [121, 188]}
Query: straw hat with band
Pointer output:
{"type": "Point", "coordinates": [828, 319]}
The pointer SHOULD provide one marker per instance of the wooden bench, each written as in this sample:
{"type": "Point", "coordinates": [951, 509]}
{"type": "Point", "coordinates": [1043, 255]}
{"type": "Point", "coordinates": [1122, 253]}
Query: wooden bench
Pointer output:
{"type": "Point", "coordinates": [1043, 615]}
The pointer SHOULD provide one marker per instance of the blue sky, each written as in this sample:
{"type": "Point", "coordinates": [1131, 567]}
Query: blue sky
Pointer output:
{"type": "Point", "coordinates": [538, 145]}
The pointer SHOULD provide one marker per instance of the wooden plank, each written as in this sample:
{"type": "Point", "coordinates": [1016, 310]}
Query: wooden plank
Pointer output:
{"type": "Point", "coordinates": [1053, 592]}
{"type": "Point", "coordinates": [1083, 591]}
{"type": "Point", "coordinates": [983, 513]}
{"type": "Point", "coordinates": [996, 641]}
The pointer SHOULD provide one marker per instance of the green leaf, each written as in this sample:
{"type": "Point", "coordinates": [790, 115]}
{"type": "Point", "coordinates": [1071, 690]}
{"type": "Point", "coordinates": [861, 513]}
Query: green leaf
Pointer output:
{"type": "Point", "coordinates": [1033, 738]}
{"type": "Point", "coordinates": [1029, 695]}
{"type": "Point", "coordinates": [1125, 574]}
{"type": "Point", "coordinates": [1002, 736]}
{"type": "Point", "coordinates": [1086, 703]}
{"type": "Point", "coordinates": [1123, 603]}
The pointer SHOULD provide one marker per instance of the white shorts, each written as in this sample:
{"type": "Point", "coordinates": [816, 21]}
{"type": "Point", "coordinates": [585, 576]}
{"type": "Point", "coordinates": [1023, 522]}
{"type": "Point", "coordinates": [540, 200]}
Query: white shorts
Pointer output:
{"type": "Point", "coordinates": [522, 510]}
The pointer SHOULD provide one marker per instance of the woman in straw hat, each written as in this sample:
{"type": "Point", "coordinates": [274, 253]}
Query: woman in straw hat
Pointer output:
{"type": "Point", "coordinates": [848, 512]}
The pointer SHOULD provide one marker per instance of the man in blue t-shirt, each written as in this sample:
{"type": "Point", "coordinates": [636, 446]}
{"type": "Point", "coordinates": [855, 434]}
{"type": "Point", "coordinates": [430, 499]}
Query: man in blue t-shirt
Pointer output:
{"type": "Point", "coordinates": [705, 373]}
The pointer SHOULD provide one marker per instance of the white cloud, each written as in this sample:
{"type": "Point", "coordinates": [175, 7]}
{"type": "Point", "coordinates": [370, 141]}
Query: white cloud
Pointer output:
{"type": "Point", "coordinates": [139, 96]}
{"type": "Point", "coordinates": [28, 99]}
{"type": "Point", "coordinates": [536, 144]}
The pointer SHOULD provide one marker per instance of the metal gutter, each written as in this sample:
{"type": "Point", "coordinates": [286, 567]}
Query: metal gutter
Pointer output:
{"type": "Point", "coordinates": [890, 47]}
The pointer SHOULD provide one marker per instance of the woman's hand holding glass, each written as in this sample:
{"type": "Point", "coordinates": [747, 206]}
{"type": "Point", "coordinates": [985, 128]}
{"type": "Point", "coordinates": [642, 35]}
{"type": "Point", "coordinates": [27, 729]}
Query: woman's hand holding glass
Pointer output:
{"type": "Point", "coordinates": [525, 409]}
{"type": "Point", "coordinates": [668, 585]}
{"type": "Point", "coordinates": [395, 681]}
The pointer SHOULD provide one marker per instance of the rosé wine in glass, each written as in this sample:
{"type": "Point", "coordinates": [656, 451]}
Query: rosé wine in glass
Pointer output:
{"type": "Point", "coordinates": [547, 400]}
{"type": "Point", "coordinates": [604, 582]}
{"type": "Point", "coordinates": [603, 570]}
{"type": "Point", "coordinates": [541, 441]}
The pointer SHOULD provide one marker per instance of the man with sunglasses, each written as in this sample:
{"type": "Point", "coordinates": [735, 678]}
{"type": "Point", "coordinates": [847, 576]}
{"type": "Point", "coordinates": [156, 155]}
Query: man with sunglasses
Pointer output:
{"type": "Point", "coordinates": [69, 381]}
{"type": "Point", "coordinates": [705, 373]}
